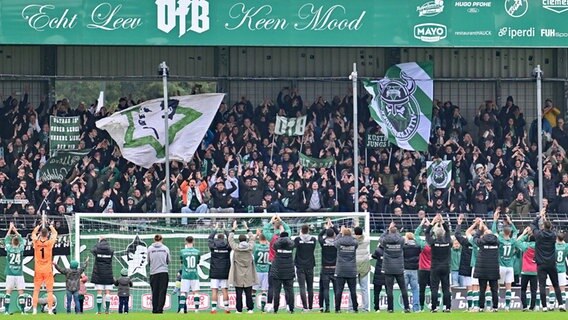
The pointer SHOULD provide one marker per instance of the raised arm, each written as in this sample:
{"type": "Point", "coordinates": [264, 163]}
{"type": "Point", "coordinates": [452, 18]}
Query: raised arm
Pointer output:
{"type": "Point", "coordinates": [53, 232]}
{"type": "Point", "coordinates": [35, 232]}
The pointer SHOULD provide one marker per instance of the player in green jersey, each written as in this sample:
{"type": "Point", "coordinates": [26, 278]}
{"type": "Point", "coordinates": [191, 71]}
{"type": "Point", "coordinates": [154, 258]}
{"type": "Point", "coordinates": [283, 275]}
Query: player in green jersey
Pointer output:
{"type": "Point", "coordinates": [14, 245]}
{"type": "Point", "coordinates": [561, 254]}
{"type": "Point", "coordinates": [262, 267]}
{"type": "Point", "coordinates": [507, 240]}
{"type": "Point", "coordinates": [190, 258]}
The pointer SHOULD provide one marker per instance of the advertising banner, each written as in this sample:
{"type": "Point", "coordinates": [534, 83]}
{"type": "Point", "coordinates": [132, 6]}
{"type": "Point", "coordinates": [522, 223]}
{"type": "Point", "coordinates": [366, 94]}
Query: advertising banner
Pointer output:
{"type": "Point", "coordinates": [341, 23]}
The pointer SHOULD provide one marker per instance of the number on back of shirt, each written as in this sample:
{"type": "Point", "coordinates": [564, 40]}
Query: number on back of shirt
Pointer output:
{"type": "Point", "coordinates": [15, 258]}
{"type": "Point", "coordinates": [262, 258]}
{"type": "Point", "coordinates": [507, 251]}
{"type": "Point", "coordinates": [559, 256]}
{"type": "Point", "coordinates": [191, 262]}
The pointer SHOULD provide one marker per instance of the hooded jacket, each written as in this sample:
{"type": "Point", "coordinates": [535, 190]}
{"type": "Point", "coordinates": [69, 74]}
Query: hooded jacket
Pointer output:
{"type": "Point", "coordinates": [158, 258]}
{"type": "Point", "coordinates": [305, 245]}
{"type": "Point", "coordinates": [102, 267]}
{"type": "Point", "coordinates": [465, 257]}
{"type": "Point", "coordinates": [411, 251]}
{"type": "Point", "coordinates": [242, 273]}
{"type": "Point", "coordinates": [346, 265]}
{"type": "Point", "coordinates": [393, 256]}
{"type": "Point", "coordinates": [362, 255]}
{"type": "Point", "coordinates": [72, 277]}
{"type": "Point", "coordinates": [545, 244]}
{"type": "Point", "coordinates": [441, 248]}
{"type": "Point", "coordinates": [328, 252]}
{"type": "Point", "coordinates": [379, 278]}
{"type": "Point", "coordinates": [283, 264]}
{"type": "Point", "coordinates": [220, 256]}
{"type": "Point", "coordinates": [487, 264]}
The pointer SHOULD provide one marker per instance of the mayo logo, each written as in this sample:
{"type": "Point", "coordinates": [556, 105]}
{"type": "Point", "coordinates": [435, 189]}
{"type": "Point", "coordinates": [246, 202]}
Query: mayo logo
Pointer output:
{"type": "Point", "coordinates": [516, 8]}
{"type": "Point", "coordinates": [169, 11]}
{"type": "Point", "coordinates": [430, 32]}
{"type": "Point", "coordinates": [431, 8]}
{"type": "Point", "coordinates": [557, 6]}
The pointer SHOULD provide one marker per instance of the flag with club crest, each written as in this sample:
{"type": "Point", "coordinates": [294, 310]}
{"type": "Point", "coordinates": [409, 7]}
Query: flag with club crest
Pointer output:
{"type": "Point", "coordinates": [439, 174]}
{"type": "Point", "coordinates": [140, 134]}
{"type": "Point", "coordinates": [402, 104]}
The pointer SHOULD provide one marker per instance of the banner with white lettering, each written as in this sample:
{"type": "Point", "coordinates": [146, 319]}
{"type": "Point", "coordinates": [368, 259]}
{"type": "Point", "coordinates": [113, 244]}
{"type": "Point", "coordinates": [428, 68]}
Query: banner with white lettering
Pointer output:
{"type": "Point", "coordinates": [64, 133]}
{"type": "Point", "coordinates": [290, 126]}
{"type": "Point", "coordinates": [310, 162]}
{"type": "Point", "coordinates": [376, 141]}
{"type": "Point", "coordinates": [57, 167]}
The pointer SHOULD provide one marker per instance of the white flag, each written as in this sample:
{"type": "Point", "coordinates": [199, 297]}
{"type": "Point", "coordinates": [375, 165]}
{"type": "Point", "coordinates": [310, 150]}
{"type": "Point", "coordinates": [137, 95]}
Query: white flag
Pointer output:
{"type": "Point", "coordinates": [100, 101]}
{"type": "Point", "coordinates": [139, 131]}
{"type": "Point", "coordinates": [290, 126]}
{"type": "Point", "coordinates": [439, 174]}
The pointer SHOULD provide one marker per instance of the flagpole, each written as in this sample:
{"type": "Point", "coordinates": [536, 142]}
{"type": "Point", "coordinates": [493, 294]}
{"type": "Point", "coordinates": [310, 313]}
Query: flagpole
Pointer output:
{"type": "Point", "coordinates": [353, 78]}
{"type": "Point", "coordinates": [272, 151]}
{"type": "Point", "coordinates": [164, 73]}
{"type": "Point", "coordinates": [538, 74]}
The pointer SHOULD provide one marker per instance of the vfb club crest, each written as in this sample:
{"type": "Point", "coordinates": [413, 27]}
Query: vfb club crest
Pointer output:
{"type": "Point", "coordinates": [440, 176]}
{"type": "Point", "coordinates": [399, 108]}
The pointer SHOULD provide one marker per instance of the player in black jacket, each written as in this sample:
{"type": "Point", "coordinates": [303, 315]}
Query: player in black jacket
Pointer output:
{"type": "Point", "coordinates": [379, 278]}
{"type": "Point", "coordinates": [441, 245]}
{"type": "Point", "coordinates": [220, 265]}
{"type": "Point", "coordinates": [346, 268]}
{"type": "Point", "coordinates": [545, 257]}
{"type": "Point", "coordinates": [487, 264]}
{"type": "Point", "coordinates": [465, 262]}
{"type": "Point", "coordinates": [326, 239]}
{"type": "Point", "coordinates": [283, 270]}
{"type": "Point", "coordinates": [305, 262]}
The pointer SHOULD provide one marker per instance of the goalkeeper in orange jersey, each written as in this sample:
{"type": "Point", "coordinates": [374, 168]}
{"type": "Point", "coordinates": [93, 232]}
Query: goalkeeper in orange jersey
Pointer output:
{"type": "Point", "coordinates": [43, 253]}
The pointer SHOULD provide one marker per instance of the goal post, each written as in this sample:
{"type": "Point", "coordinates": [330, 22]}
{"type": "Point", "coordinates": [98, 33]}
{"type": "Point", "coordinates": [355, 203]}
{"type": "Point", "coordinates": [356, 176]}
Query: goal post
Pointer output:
{"type": "Point", "coordinates": [129, 235]}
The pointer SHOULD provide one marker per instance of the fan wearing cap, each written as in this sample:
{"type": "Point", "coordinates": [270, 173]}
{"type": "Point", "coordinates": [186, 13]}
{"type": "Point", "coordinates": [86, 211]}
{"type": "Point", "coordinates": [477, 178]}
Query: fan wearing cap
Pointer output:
{"type": "Point", "coordinates": [72, 282]}
{"type": "Point", "coordinates": [123, 284]}
{"type": "Point", "coordinates": [291, 196]}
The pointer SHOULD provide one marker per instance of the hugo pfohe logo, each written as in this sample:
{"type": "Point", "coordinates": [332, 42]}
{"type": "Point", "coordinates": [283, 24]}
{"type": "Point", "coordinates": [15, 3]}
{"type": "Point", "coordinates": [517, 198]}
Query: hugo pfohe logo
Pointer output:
{"type": "Point", "coordinates": [557, 6]}
{"type": "Point", "coordinates": [174, 13]}
{"type": "Point", "coordinates": [431, 8]}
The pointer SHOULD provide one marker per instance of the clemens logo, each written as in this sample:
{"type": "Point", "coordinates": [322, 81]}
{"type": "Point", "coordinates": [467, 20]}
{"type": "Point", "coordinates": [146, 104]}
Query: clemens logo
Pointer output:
{"type": "Point", "coordinates": [173, 12]}
{"type": "Point", "coordinates": [557, 6]}
{"type": "Point", "coordinates": [430, 32]}
{"type": "Point", "coordinates": [431, 8]}
{"type": "Point", "coordinates": [399, 108]}
{"type": "Point", "coordinates": [516, 8]}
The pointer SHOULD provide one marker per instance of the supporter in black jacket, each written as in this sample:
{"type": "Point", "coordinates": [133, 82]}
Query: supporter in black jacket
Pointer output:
{"type": "Point", "coordinates": [291, 198]}
{"type": "Point", "coordinates": [412, 251]}
{"type": "Point", "coordinates": [283, 270]}
{"type": "Point", "coordinates": [545, 257]}
{"type": "Point", "coordinates": [222, 197]}
{"type": "Point", "coordinates": [305, 262]}
{"type": "Point", "coordinates": [346, 267]}
{"type": "Point", "coordinates": [487, 265]}
{"type": "Point", "coordinates": [326, 239]}
{"type": "Point", "coordinates": [220, 264]}
{"type": "Point", "coordinates": [379, 277]}
{"type": "Point", "coordinates": [440, 267]}
{"type": "Point", "coordinates": [393, 266]}
{"type": "Point", "coordinates": [102, 271]}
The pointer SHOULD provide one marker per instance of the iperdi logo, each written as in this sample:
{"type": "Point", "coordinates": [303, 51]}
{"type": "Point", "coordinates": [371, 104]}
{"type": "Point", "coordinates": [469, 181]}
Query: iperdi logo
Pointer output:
{"type": "Point", "coordinates": [430, 32]}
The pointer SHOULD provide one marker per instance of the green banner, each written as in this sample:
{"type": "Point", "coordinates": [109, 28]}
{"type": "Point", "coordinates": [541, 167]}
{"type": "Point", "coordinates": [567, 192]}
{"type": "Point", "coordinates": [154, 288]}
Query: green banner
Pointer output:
{"type": "Point", "coordinates": [310, 162]}
{"type": "Point", "coordinates": [63, 134]}
{"type": "Point", "coordinates": [376, 141]}
{"type": "Point", "coordinates": [341, 23]}
{"type": "Point", "coordinates": [58, 166]}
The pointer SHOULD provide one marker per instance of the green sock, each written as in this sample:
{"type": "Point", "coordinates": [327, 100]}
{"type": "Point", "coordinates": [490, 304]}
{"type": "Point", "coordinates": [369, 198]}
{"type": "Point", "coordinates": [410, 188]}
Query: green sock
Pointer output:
{"type": "Point", "coordinates": [551, 298]}
{"type": "Point", "coordinates": [214, 305]}
{"type": "Point", "coordinates": [182, 303]}
{"type": "Point", "coordinates": [253, 300]}
{"type": "Point", "coordinates": [538, 299]}
{"type": "Point", "coordinates": [7, 304]}
{"type": "Point", "coordinates": [196, 302]}
{"type": "Point", "coordinates": [507, 298]}
{"type": "Point", "coordinates": [22, 303]}
{"type": "Point", "coordinates": [476, 299]}
{"type": "Point", "coordinates": [262, 301]}
{"type": "Point", "coordinates": [488, 299]}
{"type": "Point", "coordinates": [564, 297]}
{"type": "Point", "coordinates": [107, 303]}
{"type": "Point", "coordinates": [469, 299]}
{"type": "Point", "coordinates": [99, 303]}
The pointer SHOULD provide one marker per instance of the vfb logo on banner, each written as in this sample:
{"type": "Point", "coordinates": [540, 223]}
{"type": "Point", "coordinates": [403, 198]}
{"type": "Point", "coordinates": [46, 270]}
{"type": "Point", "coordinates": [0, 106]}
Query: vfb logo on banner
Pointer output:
{"type": "Point", "coordinates": [170, 11]}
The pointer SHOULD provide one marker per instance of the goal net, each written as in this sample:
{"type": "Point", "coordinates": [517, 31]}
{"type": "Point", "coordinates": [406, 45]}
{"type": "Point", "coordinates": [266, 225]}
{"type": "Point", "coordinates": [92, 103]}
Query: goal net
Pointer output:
{"type": "Point", "coordinates": [130, 235]}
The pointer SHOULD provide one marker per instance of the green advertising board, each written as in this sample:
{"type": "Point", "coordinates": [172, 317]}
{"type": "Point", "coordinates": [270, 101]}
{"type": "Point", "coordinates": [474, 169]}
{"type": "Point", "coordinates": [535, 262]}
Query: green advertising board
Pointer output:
{"type": "Point", "coordinates": [341, 23]}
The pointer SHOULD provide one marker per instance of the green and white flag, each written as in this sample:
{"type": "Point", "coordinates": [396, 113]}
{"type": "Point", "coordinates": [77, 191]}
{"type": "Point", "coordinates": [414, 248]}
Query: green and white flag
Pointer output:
{"type": "Point", "coordinates": [290, 126]}
{"type": "Point", "coordinates": [57, 167]}
{"type": "Point", "coordinates": [439, 174]}
{"type": "Point", "coordinates": [402, 104]}
{"type": "Point", "coordinates": [139, 131]}
{"type": "Point", "coordinates": [309, 162]}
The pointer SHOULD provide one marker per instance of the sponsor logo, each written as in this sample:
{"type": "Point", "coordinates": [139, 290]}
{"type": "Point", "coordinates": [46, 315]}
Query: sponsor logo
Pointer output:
{"type": "Point", "coordinates": [513, 33]}
{"type": "Point", "coordinates": [552, 33]}
{"type": "Point", "coordinates": [399, 108]}
{"type": "Point", "coordinates": [172, 14]}
{"type": "Point", "coordinates": [476, 33]}
{"type": "Point", "coordinates": [473, 7]}
{"type": "Point", "coordinates": [430, 32]}
{"type": "Point", "coordinates": [557, 6]}
{"type": "Point", "coordinates": [516, 8]}
{"type": "Point", "coordinates": [431, 8]}
{"type": "Point", "coordinates": [147, 302]}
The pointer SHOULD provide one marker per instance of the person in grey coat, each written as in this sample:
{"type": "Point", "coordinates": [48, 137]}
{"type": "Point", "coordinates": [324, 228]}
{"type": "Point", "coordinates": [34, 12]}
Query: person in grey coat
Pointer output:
{"type": "Point", "coordinates": [158, 260]}
{"type": "Point", "coordinates": [72, 282]}
{"type": "Point", "coordinates": [242, 274]}
{"type": "Point", "coordinates": [123, 284]}
{"type": "Point", "coordinates": [393, 266]}
{"type": "Point", "coordinates": [346, 268]}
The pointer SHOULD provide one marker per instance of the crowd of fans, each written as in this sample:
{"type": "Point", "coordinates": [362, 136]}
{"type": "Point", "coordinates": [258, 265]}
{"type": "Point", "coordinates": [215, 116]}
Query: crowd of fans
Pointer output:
{"type": "Point", "coordinates": [242, 166]}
